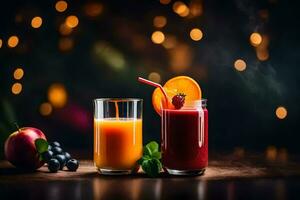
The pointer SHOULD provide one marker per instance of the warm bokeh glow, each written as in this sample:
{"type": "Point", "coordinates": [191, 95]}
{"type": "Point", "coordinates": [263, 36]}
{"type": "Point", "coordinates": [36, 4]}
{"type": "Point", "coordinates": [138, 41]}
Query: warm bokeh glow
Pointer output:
{"type": "Point", "coordinates": [45, 109]}
{"type": "Point", "coordinates": [165, 2]}
{"type": "Point", "coordinates": [262, 54]}
{"type": "Point", "coordinates": [240, 65]}
{"type": "Point", "coordinates": [18, 73]}
{"type": "Point", "coordinates": [57, 95]}
{"type": "Point", "coordinates": [281, 112]}
{"type": "Point", "coordinates": [1, 42]}
{"type": "Point", "coordinates": [196, 34]}
{"type": "Point", "coordinates": [158, 37]}
{"type": "Point", "coordinates": [36, 22]}
{"type": "Point", "coordinates": [61, 6]}
{"type": "Point", "coordinates": [159, 21]}
{"type": "Point", "coordinates": [181, 9]}
{"type": "Point", "coordinates": [64, 29]}
{"type": "Point", "coordinates": [271, 153]}
{"type": "Point", "coordinates": [65, 44]}
{"type": "Point", "coordinates": [93, 9]}
{"type": "Point", "coordinates": [13, 41]}
{"type": "Point", "coordinates": [262, 51]}
{"type": "Point", "coordinates": [16, 88]}
{"type": "Point", "coordinates": [282, 155]}
{"type": "Point", "coordinates": [255, 39]}
{"type": "Point", "coordinates": [72, 21]}
{"type": "Point", "coordinates": [196, 8]}
{"type": "Point", "coordinates": [170, 42]}
{"type": "Point", "coordinates": [155, 77]}
{"type": "Point", "coordinates": [180, 57]}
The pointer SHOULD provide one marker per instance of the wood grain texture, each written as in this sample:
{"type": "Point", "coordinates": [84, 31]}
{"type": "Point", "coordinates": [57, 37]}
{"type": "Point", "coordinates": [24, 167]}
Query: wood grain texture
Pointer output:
{"type": "Point", "coordinates": [217, 170]}
{"type": "Point", "coordinates": [225, 178]}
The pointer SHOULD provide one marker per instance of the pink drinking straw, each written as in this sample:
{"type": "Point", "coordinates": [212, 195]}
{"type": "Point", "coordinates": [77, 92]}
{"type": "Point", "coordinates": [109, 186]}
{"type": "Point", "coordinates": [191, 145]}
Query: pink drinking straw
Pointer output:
{"type": "Point", "coordinates": [142, 80]}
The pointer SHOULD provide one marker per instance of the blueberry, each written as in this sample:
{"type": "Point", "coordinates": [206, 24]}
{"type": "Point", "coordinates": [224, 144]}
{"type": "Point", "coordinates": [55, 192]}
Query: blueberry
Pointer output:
{"type": "Point", "coordinates": [68, 156]}
{"type": "Point", "coordinates": [62, 160]}
{"type": "Point", "coordinates": [53, 165]}
{"type": "Point", "coordinates": [47, 155]}
{"type": "Point", "coordinates": [55, 144]}
{"type": "Point", "coordinates": [57, 150]}
{"type": "Point", "coordinates": [49, 147]}
{"type": "Point", "coordinates": [72, 164]}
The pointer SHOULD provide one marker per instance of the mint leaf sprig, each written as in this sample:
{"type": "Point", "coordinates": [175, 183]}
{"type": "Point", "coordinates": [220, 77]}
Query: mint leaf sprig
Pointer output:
{"type": "Point", "coordinates": [150, 160]}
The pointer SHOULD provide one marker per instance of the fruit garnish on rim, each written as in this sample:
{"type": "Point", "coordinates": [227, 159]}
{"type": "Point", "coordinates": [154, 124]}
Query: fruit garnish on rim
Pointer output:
{"type": "Point", "coordinates": [185, 86]}
{"type": "Point", "coordinates": [178, 100]}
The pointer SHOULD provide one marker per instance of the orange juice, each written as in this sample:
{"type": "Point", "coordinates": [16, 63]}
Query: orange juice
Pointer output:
{"type": "Point", "coordinates": [117, 143]}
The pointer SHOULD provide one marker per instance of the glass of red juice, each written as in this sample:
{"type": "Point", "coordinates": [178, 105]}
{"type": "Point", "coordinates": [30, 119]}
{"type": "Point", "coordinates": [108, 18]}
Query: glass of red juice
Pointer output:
{"type": "Point", "coordinates": [184, 140]}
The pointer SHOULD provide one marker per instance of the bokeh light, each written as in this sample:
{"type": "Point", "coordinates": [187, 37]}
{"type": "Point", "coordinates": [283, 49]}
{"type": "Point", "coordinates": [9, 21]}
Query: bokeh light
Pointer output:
{"type": "Point", "coordinates": [105, 52]}
{"type": "Point", "coordinates": [13, 41]}
{"type": "Point", "coordinates": [262, 54]}
{"type": "Point", "coordinates": [169, 42]}
{"type": "Point", "coordinates": [240, 65]}
{"type": "Point", "coordinates": [165, 2]}
{"type": "Point", "coordinates": [159, 21]}
{"type": "Point", "coordinates": [282, 155]}
{"type": "Point", "coordinates": [65, 44]}
{"type": "Point", "coordinates": [61, 6]}
{"type": "Point", "coordinates": [180, 57]}
{"type": "Point", "coordinates": [181, 9]}
{"type": "Point", "coordinates": [255, 39]}
{"type": "Point", "coordinates": [196, 34]}
{"type": "Point", "coordinates": [158, 37]}
{"type": "Point", "coordinates": [64, 29]}
{"type": "Point", "coordinates": [155, 77]}
{"type": "Point", "coordinates": [46, 109]}
{"type": "Point", "coordinates": [196, 8]}
{"type": "Point", "coordinates": [72, 21]}
{"type": "Point", "coordinates": [18, 73]}
{"type": "Point", "coordinates": [36, 22]}
{"type": "Point", "coordinates": [57, 95]}
{"type": "Point", "coordinates": [16, 88]}
{"type": "Point", "coordinates": [262, 51]}
{"type": "Point", "coordinates": [93, 9]}
{"type": "Point", "coordinates": [1, 42]}
{"type": "Point", "coordinates": [281, 112]}
{"type": "Point", "coordinates": [271, 153]}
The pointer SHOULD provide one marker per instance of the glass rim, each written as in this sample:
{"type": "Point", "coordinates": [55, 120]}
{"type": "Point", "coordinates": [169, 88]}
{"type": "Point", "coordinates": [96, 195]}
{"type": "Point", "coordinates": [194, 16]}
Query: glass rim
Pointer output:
{"type": "Point", "coordinates": [118, 99]}
{"type": "Point", "coordinates": [199, 100]}
{"type": "Point", "coordinates": [195, 103]}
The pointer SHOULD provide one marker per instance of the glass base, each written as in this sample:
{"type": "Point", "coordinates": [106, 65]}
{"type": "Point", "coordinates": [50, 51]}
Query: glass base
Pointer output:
{"type": "Point", "coordinates": [176, 172]}
{"type": "Point", "coordinates": [113, 171]}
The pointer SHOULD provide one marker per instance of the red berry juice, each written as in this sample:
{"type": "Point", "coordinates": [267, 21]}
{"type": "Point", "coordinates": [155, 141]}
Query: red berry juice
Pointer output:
{"type": "Point", "coordinates": [185, 139]}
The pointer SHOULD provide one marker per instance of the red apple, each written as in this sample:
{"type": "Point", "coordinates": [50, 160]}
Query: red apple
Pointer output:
{"type": "Point", "coordinates": [20, 148]}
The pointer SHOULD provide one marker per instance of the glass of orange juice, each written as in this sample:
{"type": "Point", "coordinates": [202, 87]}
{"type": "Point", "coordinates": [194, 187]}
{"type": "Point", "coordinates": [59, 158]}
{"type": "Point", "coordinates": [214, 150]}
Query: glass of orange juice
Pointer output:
{"type": "Point", "coordinates": [117, 134]}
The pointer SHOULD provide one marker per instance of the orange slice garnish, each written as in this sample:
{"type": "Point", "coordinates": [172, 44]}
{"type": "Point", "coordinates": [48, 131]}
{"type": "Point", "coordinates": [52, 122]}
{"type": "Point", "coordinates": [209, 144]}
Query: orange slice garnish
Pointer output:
{"type": "Point", "coordinates": [176, 85]}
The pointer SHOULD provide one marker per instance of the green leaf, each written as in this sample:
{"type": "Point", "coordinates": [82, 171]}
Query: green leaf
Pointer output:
{"type": "Point", "coordinates": [152, 167]}
{"type": "Point", "coordinates": [41, 145]}
{"type": "Point", "coordinates": [150, 148]}
{"type": "Point", "coordinates": [156, 155]}
{"type": "Point", "coordinates": [143, 158]}
{"type": "Point", "coordinates": [147, 151]}
{"type": "Point", "coordinates": [150, 161]}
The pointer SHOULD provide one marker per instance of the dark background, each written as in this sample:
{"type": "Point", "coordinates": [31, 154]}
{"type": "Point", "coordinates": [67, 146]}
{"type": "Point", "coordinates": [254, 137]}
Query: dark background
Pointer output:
{"type": "Point", "coordinates": [110, 50]}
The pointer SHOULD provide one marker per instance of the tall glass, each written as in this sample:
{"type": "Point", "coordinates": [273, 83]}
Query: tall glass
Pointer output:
{"type": "Point", "coordinates": [184, 141]}
{"type": "Point", "coordinates": [117, 135]}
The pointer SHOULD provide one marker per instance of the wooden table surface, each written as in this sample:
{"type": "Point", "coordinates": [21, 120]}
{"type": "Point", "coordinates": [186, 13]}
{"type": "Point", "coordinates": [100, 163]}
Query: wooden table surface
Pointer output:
{"type": "Point", "coordinates": [225, 178]}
